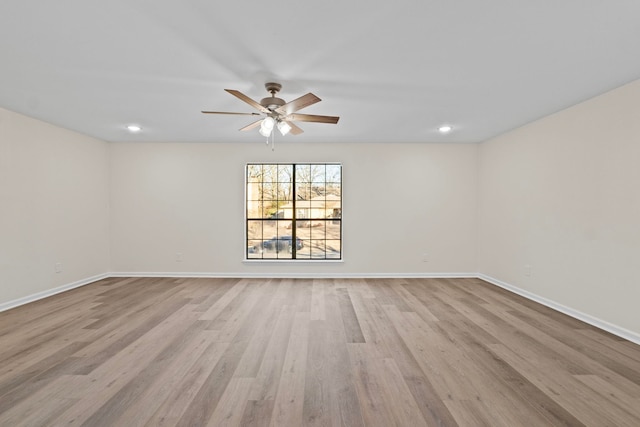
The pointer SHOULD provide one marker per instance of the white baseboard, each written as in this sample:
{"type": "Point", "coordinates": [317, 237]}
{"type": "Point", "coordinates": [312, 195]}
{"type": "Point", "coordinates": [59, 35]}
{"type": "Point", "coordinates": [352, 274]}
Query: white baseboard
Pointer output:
{"type": "Point", "coordinates": [299, 275]}
{"type": "Point", "coordinates": [49, 292]}
{"type": "Point", "coordinates": [594, 321]}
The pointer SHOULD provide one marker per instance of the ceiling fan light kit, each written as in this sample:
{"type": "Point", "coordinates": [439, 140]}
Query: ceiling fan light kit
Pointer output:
{"type": "Point", "coordinates": [284, 128]}
{"type": "Point", "coordinates": [267, 126]}
{"type": "Point", "coordinates": [278, 113]}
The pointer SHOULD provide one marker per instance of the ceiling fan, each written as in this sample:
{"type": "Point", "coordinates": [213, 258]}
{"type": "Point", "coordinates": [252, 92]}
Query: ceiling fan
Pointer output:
{"type": "Point", "coordinates": [278, 113]}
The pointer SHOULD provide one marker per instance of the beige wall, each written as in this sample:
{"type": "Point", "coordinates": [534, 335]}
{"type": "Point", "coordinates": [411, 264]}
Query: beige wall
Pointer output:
{"type": "Point", "coordinates": [562, 195]}
{"type": "Point", "coordinates": [400, 201]}
{"type": "Point", "coordinates": [53, 207]}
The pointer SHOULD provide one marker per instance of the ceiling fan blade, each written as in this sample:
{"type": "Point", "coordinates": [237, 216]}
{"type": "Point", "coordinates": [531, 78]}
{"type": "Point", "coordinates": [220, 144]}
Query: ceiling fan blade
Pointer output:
{"type": "Point", "coordinates": [248, 100]}
{"type": "Point", "coordinates": [295, 129]}
{"type": "Point", "coordinates": [227, 112]}
{"type": "Point", "coordinates": [252, 125]}
{"type": "Point", "coordinates": [297, 104]}
{"type": "Point", "coordinates": [313, 118]}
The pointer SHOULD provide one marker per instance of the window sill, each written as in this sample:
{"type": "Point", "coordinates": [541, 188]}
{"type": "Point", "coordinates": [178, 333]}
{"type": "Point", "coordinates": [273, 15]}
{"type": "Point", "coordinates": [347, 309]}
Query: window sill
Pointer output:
{"type": "Point", "coordinates": [292, 261]}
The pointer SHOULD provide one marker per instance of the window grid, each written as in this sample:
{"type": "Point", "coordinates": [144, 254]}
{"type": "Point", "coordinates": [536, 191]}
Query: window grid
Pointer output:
{"type": "Point", "coordinates": [288, 203]}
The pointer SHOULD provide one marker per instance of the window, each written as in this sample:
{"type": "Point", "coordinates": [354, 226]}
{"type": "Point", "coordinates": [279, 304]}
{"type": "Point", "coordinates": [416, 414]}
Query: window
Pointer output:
{"type": "Point", "coordinates": [289, 203]}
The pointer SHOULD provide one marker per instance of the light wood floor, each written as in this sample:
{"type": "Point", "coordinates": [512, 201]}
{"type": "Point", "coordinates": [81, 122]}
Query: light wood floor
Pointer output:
{"type": "Point", "coordinates": [292, 352]}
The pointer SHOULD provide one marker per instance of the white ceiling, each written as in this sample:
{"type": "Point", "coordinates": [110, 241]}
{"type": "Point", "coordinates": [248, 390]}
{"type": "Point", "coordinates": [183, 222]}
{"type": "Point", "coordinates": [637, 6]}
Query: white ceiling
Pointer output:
{"type": "Point", "coordinates": [393, 71]}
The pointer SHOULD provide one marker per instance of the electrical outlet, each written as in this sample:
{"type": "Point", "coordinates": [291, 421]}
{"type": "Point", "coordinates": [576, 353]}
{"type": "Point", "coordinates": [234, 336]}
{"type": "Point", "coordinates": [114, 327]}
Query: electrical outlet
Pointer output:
{"type": "Point", "coordinates": [528, 270]}
{"type": "Point", "coordinates": [178, 256]}
{"type": "Point", "coordinates": [58, 267]}
{"type": "Point", "coordinates": [425, 257]}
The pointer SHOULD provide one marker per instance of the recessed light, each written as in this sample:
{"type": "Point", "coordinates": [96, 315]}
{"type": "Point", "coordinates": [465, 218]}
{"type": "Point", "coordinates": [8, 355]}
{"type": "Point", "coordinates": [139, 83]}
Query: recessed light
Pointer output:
{"type": "Point", "coordinates": [134, 128]}
{"type": "Point", "coordinates": [445, 129]}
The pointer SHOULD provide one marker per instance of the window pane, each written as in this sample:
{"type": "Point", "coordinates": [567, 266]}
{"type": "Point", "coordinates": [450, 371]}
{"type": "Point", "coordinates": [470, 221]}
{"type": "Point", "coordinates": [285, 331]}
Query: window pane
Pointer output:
{"type": "Point", "coordinates": [254, 190]}
{"type": "Point", "coordinates": [303, 233]}
{"type": "Point", "coordinates": [317, 208]}
{"type": "Point", "coordinates": [286, 211]}
{"type": "Point", "coordinates": [303, 250]}
{"type": "Point", "coordinates": [254, 249]}
{"type": "Point", "coordinates": [303, 172]}
{"type": "Point", "coordinates": [317, 175]}
{"type": "Point", "coordinates": [285, 191]}
{"type": "Point", "coordinates": [285, 173]}
{"type": "Point", "coordinates": [269, 173]}
{"type": "Point", "coordinates": [284, 228]}
{"type": "Point", "coordinates": [334, 229]}
{"type": "Point", "coordinates": [319, 230]}
{"type": "Point", "coordinates": [333, 248]}
{"type": "Point", "coordinates": [303, 191]}
{"type": "Point", "coordinates": [269, 191]}
{"type": "Point", "coordinates": [269, 229]}
{"type": "Point", "coordinates": [277, 239]}
{"type": "Point", "coordinates": [254, 230]}
{"type": "Point", "coordinates": [334, 174]}
{"type": "Point", "coordinates": [318, 250]}
{"type": "Point", "coordinates": [254, 209]}
{"type": "Point", "coordinates": [254, 172]}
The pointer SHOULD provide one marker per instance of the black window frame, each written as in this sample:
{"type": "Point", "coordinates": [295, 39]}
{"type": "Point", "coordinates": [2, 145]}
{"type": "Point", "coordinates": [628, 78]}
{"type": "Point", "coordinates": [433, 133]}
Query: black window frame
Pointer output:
{"type": "Point", "coordinates": [307, 247]}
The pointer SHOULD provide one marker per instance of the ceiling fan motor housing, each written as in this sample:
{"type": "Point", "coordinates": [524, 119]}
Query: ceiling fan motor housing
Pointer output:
{"type": "Point", "coordinates": [272, 102]}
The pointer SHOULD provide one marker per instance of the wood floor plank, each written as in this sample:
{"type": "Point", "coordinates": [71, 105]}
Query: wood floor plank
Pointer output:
{"type": "Point", "coordinates": [330, 396]}
{"type": "Point", "coordinates": [270, 370]}
{"type": "Point", "coordinates": [316, 410]}
{"type": "Point", "coordinates": [309, 352]}
{"type": "Point", "coordinates": [610, 342]}
{"type": "Point", "coordinates": [470, 414]}
{"type": "Point", "coordinates": [391, 343]}
{"type": "Point", "coordinates": [290, 396]}
{"type": "Point", "coordinates": [131, 392]}
{"type": "Point", "coordinates": [120, 371]}
{"type": "Point", "coordinates": [40, 409]}
{"type": "Point", "coordinates": [349, 319]}
{"type": "Point", "coordinates": [162, 378]}
{"type": "Point", "coordinates": [257, 413]}
{"type": "Point", "coordinates": [403, 405]}
{"type": "Point", "coordinates": [436, 356]}
{"type": "Point", "coordinates": [301, 294]}
{"type": "Point", "coordinates": [344, 405]}
{"type": "Point", "coordinates": [33, 377]}
{"type": "Point", "coordinates": [317, 301]}
{"type": "Point", "coordinates": [470, 337]}
{"type": "Point", "coordinates": [579, 361]}
{"type": "Point", "coordinates": [610, 392]}
{"type": "Point", "coordinates": [223, 302]}
{"type": "Point", "coordinates": [362, 287]}
{"type": "Point", "coordinates": [210, 291]}
{"type": "Point", "coordinates": [230, 408]}
{"type": "Point", "coordinates": [253, 357]}
{"type": "Point", "coordinates": [238, 334]}
{"type": "Point", "coordinates": [367, 324]}
{"type": "Point", "coordinates": [584, 405]}
{"type": "Point", "coordinates": [413, 304]}
{"type": "Point", "coordinates": [108, 344]}
{"type": "Point", "coordinates": [370, 387]}
{"type": "Point", "coordinates": [626, 367]}
{"type": "Point", "coordinates": [185, 390]}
